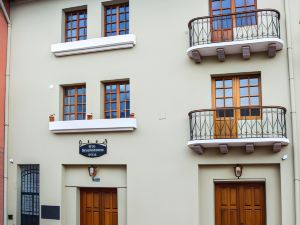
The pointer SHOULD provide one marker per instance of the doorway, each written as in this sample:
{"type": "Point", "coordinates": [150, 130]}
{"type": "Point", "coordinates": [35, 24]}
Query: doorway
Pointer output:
{"type": "Point", "coordinates": [98, 206]}
{"type": "Point", "coordinates": [240, 203]}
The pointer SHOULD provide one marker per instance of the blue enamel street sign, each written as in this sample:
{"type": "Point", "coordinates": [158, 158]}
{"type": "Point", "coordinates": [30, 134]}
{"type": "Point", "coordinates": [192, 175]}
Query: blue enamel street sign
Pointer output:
{"type": "Point", "coordinates": [93, 150]}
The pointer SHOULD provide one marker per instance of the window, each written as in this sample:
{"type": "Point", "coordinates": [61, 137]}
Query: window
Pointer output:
{"type": "Point", "coordinates": [74, 102]}
{"type": "Point", "coordinates": [76, 25]}
{"type": "Point", "coordinates": [222, 7]}
{"type": "Point", "coordinates": [117, 100]}
{"type": "Point", "coordinates": [116, 19]}
{"type": "Point", "coordinates": [30, 197]}
{"type": "Point", "coordinates": [238, 91]}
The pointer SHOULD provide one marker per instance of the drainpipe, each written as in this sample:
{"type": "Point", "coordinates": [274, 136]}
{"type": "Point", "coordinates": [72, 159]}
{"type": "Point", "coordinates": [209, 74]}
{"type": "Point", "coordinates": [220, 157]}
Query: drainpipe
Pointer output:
{"type": "Point", "coordinates": [7, 75]}
{"type": "Point", "coordinates": [293, 112]}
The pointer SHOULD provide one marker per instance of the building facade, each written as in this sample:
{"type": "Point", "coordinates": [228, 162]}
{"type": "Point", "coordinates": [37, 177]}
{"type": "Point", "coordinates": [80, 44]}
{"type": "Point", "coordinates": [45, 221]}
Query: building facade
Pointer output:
{"type": "Point", "coordinates": [152, 112]}
{"type": "Point", "coordinates": [4, 21]}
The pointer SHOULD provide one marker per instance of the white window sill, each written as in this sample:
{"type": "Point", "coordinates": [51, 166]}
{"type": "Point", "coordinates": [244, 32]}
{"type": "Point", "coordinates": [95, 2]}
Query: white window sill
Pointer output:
{"type": "Point", "coordinates": [94, 45]}
{"type": "Point", "coordinates": [100, 125]}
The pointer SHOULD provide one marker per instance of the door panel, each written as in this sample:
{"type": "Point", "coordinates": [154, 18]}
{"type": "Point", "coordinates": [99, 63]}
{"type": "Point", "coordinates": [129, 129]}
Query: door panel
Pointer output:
{"type": "Point", "coordinates": [221, 26]}
{"type": "Point", "coordinates": [98, 207]}
{"type": "Point", "coordinates": [225, 121]}
{"type": "Point", "coordinates": [240, 204]}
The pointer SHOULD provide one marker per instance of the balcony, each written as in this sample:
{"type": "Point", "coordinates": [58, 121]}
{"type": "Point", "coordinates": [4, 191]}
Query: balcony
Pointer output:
{"type": "Point", "coordinates": [236, 33]}
{"type": "Point", "coordinates": [246, 127]}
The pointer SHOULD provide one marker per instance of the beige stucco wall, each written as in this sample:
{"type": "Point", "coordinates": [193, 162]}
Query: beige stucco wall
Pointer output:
{"type": "Point", "coordinates": [162, 173]}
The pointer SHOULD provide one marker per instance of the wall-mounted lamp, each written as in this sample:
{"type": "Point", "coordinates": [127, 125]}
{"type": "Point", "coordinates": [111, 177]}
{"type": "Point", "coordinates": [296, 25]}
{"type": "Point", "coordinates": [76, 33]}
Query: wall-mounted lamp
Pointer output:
{"type": "Point", "coordinates": [238, 170]}
{"type": "Point", "coordinates": [92, 172]}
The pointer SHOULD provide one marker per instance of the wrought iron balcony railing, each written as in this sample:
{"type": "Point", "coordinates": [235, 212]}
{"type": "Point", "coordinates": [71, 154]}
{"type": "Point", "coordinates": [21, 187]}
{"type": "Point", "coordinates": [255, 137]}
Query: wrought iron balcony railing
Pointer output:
{"type": "Point", "coordinates": [238, 123]}
{"type": "Point", "coordinates": [249, 25]}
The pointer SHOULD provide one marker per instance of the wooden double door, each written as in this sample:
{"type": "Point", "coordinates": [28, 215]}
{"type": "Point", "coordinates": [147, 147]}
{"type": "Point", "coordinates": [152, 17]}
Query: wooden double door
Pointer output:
{"type": "Point", "coordinates": [240, 204]}
{"type": "Point", "coordinates": [98, 207]}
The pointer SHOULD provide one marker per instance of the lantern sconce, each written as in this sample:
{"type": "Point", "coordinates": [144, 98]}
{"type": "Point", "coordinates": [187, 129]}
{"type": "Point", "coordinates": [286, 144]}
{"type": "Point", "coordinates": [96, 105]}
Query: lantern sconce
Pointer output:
{"type": "Point", "coordinates": [92, 172]}
{"type": "Point", "coordinates": [238, 170]}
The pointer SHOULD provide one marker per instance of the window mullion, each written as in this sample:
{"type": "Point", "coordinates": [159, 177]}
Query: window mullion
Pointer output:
{"type": "Point", "coordinates": [118, 101]}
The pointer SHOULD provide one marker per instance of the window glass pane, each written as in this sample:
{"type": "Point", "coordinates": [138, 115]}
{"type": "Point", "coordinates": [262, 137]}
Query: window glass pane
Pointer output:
{"type": "Point", "coordinates": [228, 83]}
{"type": "Point", "coordinates": [122, 115]}
{"type": "Point", "coordinates": [220, 102]}
{"type": "Point", "coordinates": [216, 4]}
{"type": "Point", "coordinates": [127, 114]}
{"type": "Point", "coordinates": [79, 99]}
{"type": "Point", "coordinates": [244, 91]}
{"type": "Point", "coordinates": [219, 93]}
{"type": "Point", "coordinates": [122, 106]}
{"type": "Point", "coordinates": [127, 96]}
{"type": "Point", "coordinates": [122, 88]}
{"type": "Point", "coordinates": [219, 84]}
{"type": "Point", "coordinates": [245, 112]}
{"type": "Point", "coordinates": [72, 117]}
{"type": "Point", "coordinates": [122, 96]}
{"type": "Point", "coordinates": [114, 106]}
{"type": "Point", "coordinates": [122, 9]}
{"type": "Point", "coordinates": [228, 102]}
{"type": "Point", "coordinates": [228, 92]}
{"type": "Point", "coordinates": [72, 109]}
{"type": "Point", "coordinates": [114, 11]}
{"type": "Point", "coordinates": [114, 19]}
{"type": "Point", "coordinates": [127, 105]}
{"type": "Point", "coordinates": [82, 23]}
{"type": "Point", "coordinates": [113, 27]}
{"type": "Point", "coordinates": [114, 88]}
{"type": "Point", "coordinates": [66, 117]}
{"type": "Point", "coordinates": [127, 87]}
{"type": "Point", "coordinates": [243, 82]}
{"type": "Point", "coordinates": [226, 3]}
{"type": "Point", "coordinates": [250, 2]}
{"type": "Point", "coordinates": [73, 33]}
{"type": "Point", "coordinates": [79, 108]}
{"type": "Point", "coordinates": [239, 3]}
{"type": "Point", "coordinates": [80, 117]}
{"type": "Point", "coordinates": [254, 81]}
{"type": "Point", "coordinates": [122, 26]}
{"type": "Point", "coordinates": [107, 107]}
{"type": "Point", "coordinates": [81, 32]}
{"type": "Point", "coordinates": [107, 115]}
{"type": "Point", "coordinates": [66, 101]}
{"type": "Point", "coordinates": [108, 28]}
{"type": "Point", "coordinates": [66, 109]}
{"type": "Point", "coordinates": [113, 97]}
{"type": "Point", "coordinates": [72, 100]}
{"type": "Point", "coordinates": [122, 17]}
{"type": "Point", "coordinates": [74, 24]}
{"type": "Point", "coordinates": [114, 115]}
{"type": "Point", "coordinates": [254, 101]}
{"type": "Point", "coordinates": [244, 101]}
{"type": "Point", "coordinates": [254, 91]}
{"type": "Point", "coordinates": [107, 97]}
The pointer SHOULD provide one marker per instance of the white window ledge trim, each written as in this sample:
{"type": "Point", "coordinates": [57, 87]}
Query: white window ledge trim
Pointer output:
{"type": "Point", "coordinates": [98, 125]}
{"type": "Point", "coordinates": [235, 47]}
{"type": "Point", "coordinates": [94, 45]}
{"type": "Point", "coordinates": [215, 143]}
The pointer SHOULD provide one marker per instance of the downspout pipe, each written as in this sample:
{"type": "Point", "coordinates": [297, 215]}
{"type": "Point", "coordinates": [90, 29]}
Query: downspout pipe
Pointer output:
{"type": "Point", "coordinates": [3, 9]}
{"type": "Point", "coordinates": [293, 111]}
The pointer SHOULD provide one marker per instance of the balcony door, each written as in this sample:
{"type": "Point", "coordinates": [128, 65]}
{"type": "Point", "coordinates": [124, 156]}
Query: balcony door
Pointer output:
{"type": "Point", "coordinates": [224, 19]}
{"type": "Point", "coordinates": [240, 204]}
{"type": "Point", "coordinates": [236, 99]}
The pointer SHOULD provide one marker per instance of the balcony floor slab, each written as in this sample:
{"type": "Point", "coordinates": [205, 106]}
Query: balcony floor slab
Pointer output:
{"type": "Point", "coordinates": [235, 47]}
{"type": "Point", "coordinates": [215, 143]}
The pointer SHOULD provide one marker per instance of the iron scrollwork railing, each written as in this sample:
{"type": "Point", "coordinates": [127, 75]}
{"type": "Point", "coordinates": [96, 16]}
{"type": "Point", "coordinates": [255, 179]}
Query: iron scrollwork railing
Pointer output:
{"type": "Point", "coordinates": [238, 123]}
{"type": "Point", "coordinates": [249, 25]}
